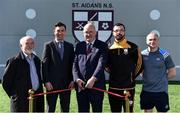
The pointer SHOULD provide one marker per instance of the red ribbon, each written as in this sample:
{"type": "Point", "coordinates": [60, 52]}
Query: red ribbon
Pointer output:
{"type": "Point", "coordinates": [60, 91]}
{"type": "Point", "coordinates": [111, 93]}
{"type": "Point", "coordinates": [52, 92]}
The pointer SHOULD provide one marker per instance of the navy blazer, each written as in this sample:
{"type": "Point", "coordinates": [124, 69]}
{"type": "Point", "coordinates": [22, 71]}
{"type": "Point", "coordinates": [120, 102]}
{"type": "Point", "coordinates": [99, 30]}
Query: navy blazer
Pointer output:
{"type": "Point", "coordinates": [92, 64]}
{"type": "Point", "coordinates": [54, 69]}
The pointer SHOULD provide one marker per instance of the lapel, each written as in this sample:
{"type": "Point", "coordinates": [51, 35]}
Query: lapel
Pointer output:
{"type": "Point", "coordinates": [24, 61]}
{"type": "Point", "coordinates": [26, 68]}
{"type": "Point", "coordinates": [55, 46]}
{"type": "Point", "coordinates": [37, 64]}
{"type": "Point", "coordinates": [56, 53]}
{"type": "Point", "coordinates": [93, 52]}
{"type": "Point", "coordinates": [65, 51]}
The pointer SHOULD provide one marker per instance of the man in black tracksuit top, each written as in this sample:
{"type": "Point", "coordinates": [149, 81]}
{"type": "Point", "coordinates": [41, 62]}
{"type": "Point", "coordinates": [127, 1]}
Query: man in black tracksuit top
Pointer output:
{"type": "Point", "coordinates": [124, 65]}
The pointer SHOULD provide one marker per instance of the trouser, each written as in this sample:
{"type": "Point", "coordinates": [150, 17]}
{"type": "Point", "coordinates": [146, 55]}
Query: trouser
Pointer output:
{"type": "Point", "coordinates": [20, 103]}
{"type": "Point", "coordinates": [64, 98]}
{"type": "Point", "coordinates": [87, 97]}
{"type": "Point", "coordinates": [116, 103]}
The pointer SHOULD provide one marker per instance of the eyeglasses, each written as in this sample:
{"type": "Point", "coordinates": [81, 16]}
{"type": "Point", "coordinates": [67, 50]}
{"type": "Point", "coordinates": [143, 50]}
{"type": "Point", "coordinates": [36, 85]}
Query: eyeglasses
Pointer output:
{"type": "Point", "coordinates": [120, 30]}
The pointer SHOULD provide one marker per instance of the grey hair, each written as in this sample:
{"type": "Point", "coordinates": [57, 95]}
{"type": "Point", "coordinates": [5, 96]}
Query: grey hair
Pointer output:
{"type": "Point", "coordinates": [90, 24]}
{"type": "Point", "coordinates": [153, 33]}
{"type": "Point", "coordinates": [25, 38]}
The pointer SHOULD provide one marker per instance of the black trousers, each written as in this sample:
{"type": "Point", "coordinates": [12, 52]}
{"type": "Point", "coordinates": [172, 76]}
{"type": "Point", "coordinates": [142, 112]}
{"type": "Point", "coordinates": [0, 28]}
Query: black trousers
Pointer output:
{"type": "Point", "coordinates": [116, 103]}
{"type": "Point", "coordinates": [20, 103]}
{"type": "Point", "coordinates": [88, 97]}
{"type": "Point", "coordinates": [64, 98]}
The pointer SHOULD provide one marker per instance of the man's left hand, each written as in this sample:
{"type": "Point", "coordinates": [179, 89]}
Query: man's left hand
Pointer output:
{"type": "Point", "coordinates": [90, 82]}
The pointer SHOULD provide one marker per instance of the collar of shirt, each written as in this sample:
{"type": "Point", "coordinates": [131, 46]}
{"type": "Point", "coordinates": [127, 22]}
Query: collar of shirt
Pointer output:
{"type": "Point", "coordinates": [90, 42]}
{"type": "Point", "coordinates": [59, 41]}
{"type": "Point", "coordinates": [155, 50]}
{"type": "Point", "coordinates": [26, 56]}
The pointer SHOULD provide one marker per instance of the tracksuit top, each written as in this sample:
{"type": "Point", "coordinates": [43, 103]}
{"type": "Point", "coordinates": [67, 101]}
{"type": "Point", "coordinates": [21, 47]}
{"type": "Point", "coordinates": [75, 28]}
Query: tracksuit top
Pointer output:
{"type": "Point", "coordinates": [124, 63]}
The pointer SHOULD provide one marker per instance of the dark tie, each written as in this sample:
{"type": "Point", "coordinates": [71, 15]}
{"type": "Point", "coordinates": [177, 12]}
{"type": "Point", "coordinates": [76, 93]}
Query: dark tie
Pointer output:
{"type": "Point", "coordinates": [89, 47]}
{"type": "Point", "coordinates": [61, 49]}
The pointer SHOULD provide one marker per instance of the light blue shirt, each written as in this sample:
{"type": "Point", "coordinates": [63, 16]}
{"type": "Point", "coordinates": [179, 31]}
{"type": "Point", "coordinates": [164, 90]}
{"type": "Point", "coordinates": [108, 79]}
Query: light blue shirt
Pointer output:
{"type": "Point", "coordinates": [33, 72]}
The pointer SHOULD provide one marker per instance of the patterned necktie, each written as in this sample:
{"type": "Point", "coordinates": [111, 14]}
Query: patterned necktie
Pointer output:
{"type": "Point", "coordinates": [61, 49]}
{"type": "Point", "coordinates": [89, 48]}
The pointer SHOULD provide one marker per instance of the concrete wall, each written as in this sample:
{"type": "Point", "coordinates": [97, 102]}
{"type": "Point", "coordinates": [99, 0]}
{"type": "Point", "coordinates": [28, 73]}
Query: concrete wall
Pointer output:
{"type": "Point", "coordinates": [139, 16]}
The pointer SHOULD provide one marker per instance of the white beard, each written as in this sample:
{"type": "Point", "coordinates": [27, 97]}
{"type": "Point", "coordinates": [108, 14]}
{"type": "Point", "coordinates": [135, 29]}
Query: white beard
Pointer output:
{"type": "Point", "coordinates": [29, 52]}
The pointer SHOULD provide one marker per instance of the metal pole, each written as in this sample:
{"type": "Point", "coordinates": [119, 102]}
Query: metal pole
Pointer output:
{"type": "Point", "coordinates": [127, 108]}
{"type": "Point", "coordinates": [31, 92]}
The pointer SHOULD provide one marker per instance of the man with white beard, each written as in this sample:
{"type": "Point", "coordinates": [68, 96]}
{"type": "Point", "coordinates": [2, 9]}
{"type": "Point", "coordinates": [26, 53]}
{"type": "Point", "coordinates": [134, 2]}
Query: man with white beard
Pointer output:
{"type": "Point", "coordinates": [22, 73]}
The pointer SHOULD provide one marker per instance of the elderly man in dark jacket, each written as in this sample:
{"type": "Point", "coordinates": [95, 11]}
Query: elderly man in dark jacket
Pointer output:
{"type": "Point", "coordinates": [22, 73]}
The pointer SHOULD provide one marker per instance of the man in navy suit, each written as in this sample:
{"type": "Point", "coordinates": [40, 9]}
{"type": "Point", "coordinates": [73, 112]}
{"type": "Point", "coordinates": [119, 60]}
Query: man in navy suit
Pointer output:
{"type": "Point", "coordinates": [88, 70]}
{"type": "Point", "coordinates": [57, 60]}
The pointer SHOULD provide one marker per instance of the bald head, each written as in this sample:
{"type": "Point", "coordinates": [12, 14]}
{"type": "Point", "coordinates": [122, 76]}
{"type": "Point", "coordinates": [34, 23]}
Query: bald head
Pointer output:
{"type": "Point", "coordinates": [89, 32]}
{"type": "Point", "coordinates": [89, 24]}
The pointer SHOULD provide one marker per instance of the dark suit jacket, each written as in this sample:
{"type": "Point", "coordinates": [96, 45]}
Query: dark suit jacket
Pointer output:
{"type": "Point", "coordinates": [54, 69]}
{"type": "Point", "coordinates": [85, 65]}
{"type": "Point", "coordinates": [17, 82]}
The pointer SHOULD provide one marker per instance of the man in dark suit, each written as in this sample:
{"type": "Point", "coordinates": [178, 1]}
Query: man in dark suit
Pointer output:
{"type": "Point", "coordinates": [88, 70]}
{"type": "Point", "coordinates": [57, 62]}
{"type": "Point", "coordinates": [22, 73]}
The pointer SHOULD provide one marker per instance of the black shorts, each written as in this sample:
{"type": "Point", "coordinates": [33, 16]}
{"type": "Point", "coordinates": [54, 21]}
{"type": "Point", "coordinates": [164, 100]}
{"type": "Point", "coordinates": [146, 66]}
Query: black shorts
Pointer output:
{"type": "Point", "coordinates": [149, 100]}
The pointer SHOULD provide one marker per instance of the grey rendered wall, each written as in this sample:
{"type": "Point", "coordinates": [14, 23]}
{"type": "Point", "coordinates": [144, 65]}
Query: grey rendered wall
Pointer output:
{"type": "Point", "coordinates": [135, 14]}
